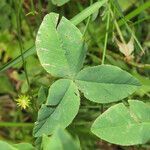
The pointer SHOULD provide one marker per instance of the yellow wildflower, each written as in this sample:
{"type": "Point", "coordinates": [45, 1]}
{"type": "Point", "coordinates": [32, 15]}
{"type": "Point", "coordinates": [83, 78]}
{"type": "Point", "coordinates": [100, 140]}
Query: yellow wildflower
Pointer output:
{"type": "Point", "coordinates": [23, 101]}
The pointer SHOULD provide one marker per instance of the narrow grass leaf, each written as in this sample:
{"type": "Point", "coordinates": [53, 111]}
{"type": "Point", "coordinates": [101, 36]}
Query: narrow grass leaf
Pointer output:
{"type": "Point", "coordinates": [18, 59]}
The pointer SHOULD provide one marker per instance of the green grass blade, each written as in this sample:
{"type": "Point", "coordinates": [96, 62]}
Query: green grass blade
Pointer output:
{"type": "Point", "coordinates": [18, 59]}
{"type": "Point", "coordinates": [16, 124]}
{"type": "Point", "coordinates": [119, 10]}
{"type": "Point", "coordinates": [106, 38]}
{"type": "Point", "coordinates": [87, 12]}
{"type": "Point", "coordinates": [135, 12]}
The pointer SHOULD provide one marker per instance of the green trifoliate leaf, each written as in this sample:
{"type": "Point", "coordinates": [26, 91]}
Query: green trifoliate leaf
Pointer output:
{"type": "Point", "coordinates": [60, 140]}
{"type": "Point", "coordinates": [124, 125]}
{"type": "Point", "coordinates": [60, 46]}
{"type": "Point", "coordinates": [106, 83]}
{"type": "Point", "coordinates": [59, 2]}
{"type": "Point", "coordinates": [61, 108]}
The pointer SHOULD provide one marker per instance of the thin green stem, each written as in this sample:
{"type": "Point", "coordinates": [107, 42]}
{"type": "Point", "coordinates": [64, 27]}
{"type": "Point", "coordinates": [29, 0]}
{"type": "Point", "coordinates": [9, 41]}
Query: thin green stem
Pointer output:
{"type": "Point", "coordinates": [86, 26]}
{"type": "Point", "coordinates": [33, 12]}
{"type": "Point", "coordinates": [15, 61]}
{"type": "Point", "coordinates": [105, 47]}
{"type": "Point", "coordinates": [138, 65]}
{"type": "Point", "coordinates": [88, 21]}
{"type": "Point", "coordinates": [118, 9]}
{"type": "Point", "coordinates": [117, 27]}
{"type": "Point", "coordinates": [32, 6]}
{"type": "Point", "coordinates": [140, 20]}
{"type": "Point", "coordinates": [106, 38]}
{"type": "Point", "coordinates": [15, 124]}
{"type": "Point", "coordinates": [29, 25]}
{"type": "Point", "coordinates": [27, 21]}
{"type": "Point", "coordinates": [135, 12]}
{"type": "Point", "coordinates": [40, 8]}
{"type": "Point", "coordinates": [20, 40]}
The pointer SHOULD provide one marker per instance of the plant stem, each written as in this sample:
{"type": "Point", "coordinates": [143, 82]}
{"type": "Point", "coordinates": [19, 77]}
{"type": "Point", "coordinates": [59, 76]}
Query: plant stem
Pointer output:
{"type": "Point", "coordinates": [32, 6]}
{"type": "Point", "coordinates": [86, 26]}
{"type": "Point", "coordinates": [87, 12]}
{"type": "Point", "coordinates": [88, 21]}
{"type": "Point", "coordinates": [135, 12]}
{"type": "Point", "coordinates": [138, 65]}
{"type": "Point", "coordinates": [119, 11]}
{"type": "Point", "coordinates": [15, 124]}
{"type": "Point", "coordinates": [25, 54]}
{"type": "Point", "coordinates": [106, 38]}
{"type": "Point", "coordinates": [20, 40]}
{"type": "Point", "coordinates": [117, 27]}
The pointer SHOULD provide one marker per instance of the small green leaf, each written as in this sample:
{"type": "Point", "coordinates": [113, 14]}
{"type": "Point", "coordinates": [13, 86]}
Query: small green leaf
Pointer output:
{"type": "Point", "coordinates": [124, 125]}
{"type": "Point", "coordinates": [42, 95]}
{"type": "Point", "coordinates": [21, 146]}
{"type": "Point", "coordinates": [106, 83]}
{"type": "Point", "coordinates": [6, 146]}
{"type": "Point", "coordinates": [59, 2]}
{"type": "Point", "coordinates": [60, 140]}
{"type": "Point", "coordinates": [61, 108]}
{"type": "Point", "coordinates": [60, 51]}
{"type": "Point", "coordinates": [24, 146]}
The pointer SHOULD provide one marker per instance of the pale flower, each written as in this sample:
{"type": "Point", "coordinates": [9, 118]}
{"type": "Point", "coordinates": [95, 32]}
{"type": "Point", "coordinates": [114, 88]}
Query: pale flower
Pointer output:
{"type": "Point", "coordinates": [23, 101]}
